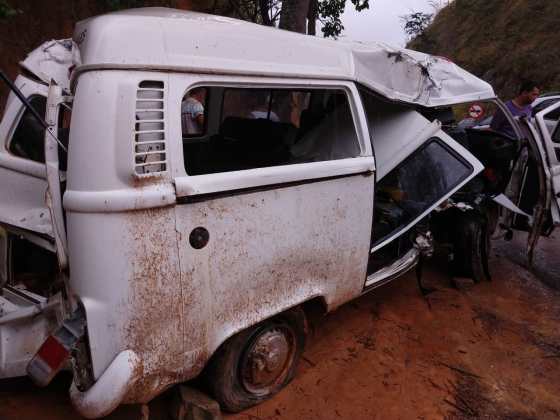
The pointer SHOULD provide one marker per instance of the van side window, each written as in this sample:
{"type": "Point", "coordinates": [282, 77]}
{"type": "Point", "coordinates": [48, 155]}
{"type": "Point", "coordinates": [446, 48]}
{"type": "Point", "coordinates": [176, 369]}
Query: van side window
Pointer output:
{"type": "Point", "coordinates": [249, 128]}
{"type": "Point", "coordinates": [554, 115]}
{"type": "Point", "coordinates": [556, 134]}
{"type": "Point", "coordinates": [28, 140]}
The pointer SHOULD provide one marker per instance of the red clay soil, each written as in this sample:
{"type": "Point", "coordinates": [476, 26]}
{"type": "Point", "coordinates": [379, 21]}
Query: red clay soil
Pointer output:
{"type": "Point", "coordinates": [488, 351]}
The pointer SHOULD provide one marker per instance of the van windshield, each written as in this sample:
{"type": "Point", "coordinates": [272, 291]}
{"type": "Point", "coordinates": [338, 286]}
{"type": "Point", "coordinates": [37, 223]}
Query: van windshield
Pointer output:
{"type": "Point", "coordinates": [415, 185]}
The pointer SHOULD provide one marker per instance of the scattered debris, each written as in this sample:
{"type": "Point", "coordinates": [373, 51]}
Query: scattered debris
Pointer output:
{"type": "Point", "coordinates": [462, 283]}
{"type": "Point", "coordinates": [191, 404]}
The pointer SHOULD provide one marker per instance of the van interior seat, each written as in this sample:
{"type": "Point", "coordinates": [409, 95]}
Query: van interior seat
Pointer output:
{"type": "Point", "coordinates": [242, 143]}
{"type": "Point", "coordinates": [256, 142]}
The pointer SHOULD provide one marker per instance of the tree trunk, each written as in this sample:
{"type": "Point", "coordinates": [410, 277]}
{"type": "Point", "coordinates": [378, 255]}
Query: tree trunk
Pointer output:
{"type": "Point", "coordinates": [293, 15]}
{"type": "Point", "coordinates": [312, 17]}
{"type": "Point", "coordinates": [263, 8]}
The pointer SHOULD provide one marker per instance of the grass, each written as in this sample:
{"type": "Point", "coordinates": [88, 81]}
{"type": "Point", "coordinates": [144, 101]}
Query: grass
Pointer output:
{"type": "Point", "coordinates": [501, 41]}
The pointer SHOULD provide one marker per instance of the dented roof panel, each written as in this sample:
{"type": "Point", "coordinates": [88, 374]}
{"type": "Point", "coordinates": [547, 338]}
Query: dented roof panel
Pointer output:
{"type": "Point", "coordinates": [414, 77]}
{"type": "Point", "coordinates": [53, 60]}
{"type": "Point", "coordinates": [159, 38]}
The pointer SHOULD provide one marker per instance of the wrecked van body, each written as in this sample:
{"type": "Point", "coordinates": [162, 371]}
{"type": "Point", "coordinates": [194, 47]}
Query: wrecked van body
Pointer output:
{"type": "Point", "coordinates": [146, 253]}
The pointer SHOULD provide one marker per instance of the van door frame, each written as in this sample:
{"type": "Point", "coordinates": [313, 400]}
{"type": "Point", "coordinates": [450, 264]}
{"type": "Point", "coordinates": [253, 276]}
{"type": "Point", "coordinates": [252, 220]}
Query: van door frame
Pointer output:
{"type": "Point", "coordinates": [543, 206]}
{"type": "Point", "coordinates": [199, 189]}
{"type": "Point", "coordinates": [28, 180]}
{"type": "Point", "coordinates": [552, 152]}
{"type": "Point", "coordinates": [55, 99]}
{"type": "Point", "coordinates": [34, 170]}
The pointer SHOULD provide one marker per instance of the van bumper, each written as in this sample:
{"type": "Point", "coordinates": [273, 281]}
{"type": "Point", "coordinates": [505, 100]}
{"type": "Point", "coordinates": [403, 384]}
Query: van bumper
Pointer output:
{"type": "Point", "coordinates": [110, 389]}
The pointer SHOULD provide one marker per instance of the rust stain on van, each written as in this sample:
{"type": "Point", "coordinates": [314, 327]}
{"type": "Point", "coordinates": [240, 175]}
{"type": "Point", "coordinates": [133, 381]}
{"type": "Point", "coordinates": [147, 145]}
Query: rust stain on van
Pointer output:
{"type": "Point", "coordinates": [142, 181]}
{"type": "Point", "coordinates": [155, 327]}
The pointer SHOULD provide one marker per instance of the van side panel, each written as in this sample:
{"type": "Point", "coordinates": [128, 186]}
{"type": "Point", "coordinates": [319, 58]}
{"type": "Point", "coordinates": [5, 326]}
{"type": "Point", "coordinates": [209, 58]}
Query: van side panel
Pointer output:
{"type": "Point", "coordinates": [146, 289]}
{"type": "Point", "coordinates": [124, 263]}
{"type": "Point", "coordinates": [269, 251]}
{"type": "Point", "coordinates": [125, 269]}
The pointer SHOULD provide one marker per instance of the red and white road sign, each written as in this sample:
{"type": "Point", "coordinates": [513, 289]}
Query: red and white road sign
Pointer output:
{"type": "Point", "coordinates": [476, 111]}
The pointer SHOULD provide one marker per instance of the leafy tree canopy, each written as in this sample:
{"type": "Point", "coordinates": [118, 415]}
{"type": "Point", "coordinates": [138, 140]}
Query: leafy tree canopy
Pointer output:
{"type": "Point", "coordinates": [330, 12]}
{"type": "Point", "coordinates": [266, 12]}
{"type": "Point", "coordinates": [416, 23]}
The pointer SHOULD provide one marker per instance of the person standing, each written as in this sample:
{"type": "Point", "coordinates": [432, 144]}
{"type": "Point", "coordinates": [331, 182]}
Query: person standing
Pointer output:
{"type": "Point", "coordinates": [520, 106]}
{"type": "Point", "coordinates": [192, 112]}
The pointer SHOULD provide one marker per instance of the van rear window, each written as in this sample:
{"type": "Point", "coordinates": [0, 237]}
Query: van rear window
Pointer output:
{"type": "Point", "coordinates": [247, 128]}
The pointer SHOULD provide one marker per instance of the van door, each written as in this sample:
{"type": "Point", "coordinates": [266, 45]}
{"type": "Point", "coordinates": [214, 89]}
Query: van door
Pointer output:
{"type": "Point", "coordinates": [22, 164]}
{"type": "Point", "coordinates": [534, 191]}
{"type": "Point", "coordinates": [30, 168]}
{"type": "Point", "coordinates": [550, 118]}
{"type": "Point", "coordinates": [418, 167]}
{"type": "Point", "coordinates": [276, 204]}
{"type": "Point", "coordinates": [549, 132]}
{"type": "Point", "coordinates": [31, 221]}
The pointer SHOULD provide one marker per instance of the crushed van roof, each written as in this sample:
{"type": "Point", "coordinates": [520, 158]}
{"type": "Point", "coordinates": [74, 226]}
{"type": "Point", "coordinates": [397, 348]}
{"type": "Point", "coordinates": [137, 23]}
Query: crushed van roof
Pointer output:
{"type": "Point", "coordinates": [160, 38]}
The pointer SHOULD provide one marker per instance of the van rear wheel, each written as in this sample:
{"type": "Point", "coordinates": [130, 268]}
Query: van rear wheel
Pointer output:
{"type": "Point", "coordinates": [255, 364]}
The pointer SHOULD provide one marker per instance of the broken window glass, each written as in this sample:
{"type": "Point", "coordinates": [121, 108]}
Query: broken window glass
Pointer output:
{"type": "Point", "coordinates": [415, 185]}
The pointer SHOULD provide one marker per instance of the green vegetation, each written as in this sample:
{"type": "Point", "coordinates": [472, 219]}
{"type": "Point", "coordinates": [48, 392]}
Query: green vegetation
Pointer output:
{"type": "Point", "coordinates": [330, 12]}
{"type": "Point", "coordinates": [6, 10]}
{"type": "Point", "coordinates": [501, 41]}
{"type": "Point", "coordinates": [416, 23]}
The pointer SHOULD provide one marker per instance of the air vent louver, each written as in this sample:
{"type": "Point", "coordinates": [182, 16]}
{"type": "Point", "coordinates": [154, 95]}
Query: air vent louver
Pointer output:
{"type": "Point", "coordinates": [149, 129]}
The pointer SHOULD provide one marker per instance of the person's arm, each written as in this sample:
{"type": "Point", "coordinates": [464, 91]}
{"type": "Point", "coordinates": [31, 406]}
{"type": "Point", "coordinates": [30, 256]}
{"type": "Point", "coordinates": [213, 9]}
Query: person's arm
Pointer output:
{"type": "Point", "coordinates": [198, 114]}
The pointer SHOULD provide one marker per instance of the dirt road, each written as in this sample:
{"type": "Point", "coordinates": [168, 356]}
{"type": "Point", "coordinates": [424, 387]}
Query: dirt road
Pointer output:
{"type": "Point", "coordinates": [489, 351]}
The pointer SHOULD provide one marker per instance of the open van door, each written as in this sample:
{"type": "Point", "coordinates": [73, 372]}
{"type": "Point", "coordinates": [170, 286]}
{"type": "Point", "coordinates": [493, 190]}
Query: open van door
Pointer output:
{"type": "Point", "coordinates": [33, 252]}
{"type": "Point", "coordinates": [30, 168]}
{"type": "Point", "coordinates": [29, 161]}
{"type": "Point", "coordinates": [419, 166]}
{"type": "Point", "coordinates": [550, 139]}
{"type": "Point", "coordinates": [539, 179]}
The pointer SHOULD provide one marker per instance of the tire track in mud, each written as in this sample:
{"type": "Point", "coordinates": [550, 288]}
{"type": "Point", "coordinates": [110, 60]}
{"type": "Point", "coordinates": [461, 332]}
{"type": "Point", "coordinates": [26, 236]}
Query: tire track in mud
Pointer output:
{"type": "Point", "coordinates": [477, 396]}
{"type": "Point", "coordinates": [534, 346]}
{"type": "Point", "coordinates": [486, 352]}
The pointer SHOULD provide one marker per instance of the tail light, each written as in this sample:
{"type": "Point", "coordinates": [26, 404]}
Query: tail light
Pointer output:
{"type": "Point", "coordinates": [56, 349]}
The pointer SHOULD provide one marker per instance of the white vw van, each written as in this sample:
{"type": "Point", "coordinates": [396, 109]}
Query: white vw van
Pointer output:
{"type": "Point", "coordinates": [203, 185]}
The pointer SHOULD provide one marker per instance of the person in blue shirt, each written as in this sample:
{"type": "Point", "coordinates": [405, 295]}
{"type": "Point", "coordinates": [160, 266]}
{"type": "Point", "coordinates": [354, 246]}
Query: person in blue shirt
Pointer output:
{"type": "Point", "coordinates": [520, 106]}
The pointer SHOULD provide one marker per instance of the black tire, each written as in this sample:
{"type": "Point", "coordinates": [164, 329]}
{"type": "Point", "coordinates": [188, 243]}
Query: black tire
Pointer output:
{"type": "Point", "coordinates": [226, 375]}
{"type": "Point", "coordinates": [472, 248]}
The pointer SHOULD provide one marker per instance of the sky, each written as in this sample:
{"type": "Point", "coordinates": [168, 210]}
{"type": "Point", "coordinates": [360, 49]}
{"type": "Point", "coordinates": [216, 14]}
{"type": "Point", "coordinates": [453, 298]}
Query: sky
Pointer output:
{"type": "Point", "coordinates": [381, 22]}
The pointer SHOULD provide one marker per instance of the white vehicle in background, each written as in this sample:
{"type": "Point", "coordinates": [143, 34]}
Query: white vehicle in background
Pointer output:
{"type": "Point", "coordinates": [147, 256]}
{"type": "Point", "coordinates": [546, 101]}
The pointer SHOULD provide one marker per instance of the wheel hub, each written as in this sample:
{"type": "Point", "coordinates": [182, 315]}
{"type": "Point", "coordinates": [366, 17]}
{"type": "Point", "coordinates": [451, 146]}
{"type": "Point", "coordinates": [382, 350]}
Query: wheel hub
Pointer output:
{"type": "Point", "coordinates": [267, 360]}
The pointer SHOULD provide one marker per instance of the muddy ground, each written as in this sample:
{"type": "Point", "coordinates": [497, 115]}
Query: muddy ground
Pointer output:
{"type": "Point", "coordinates": [489, 351]}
